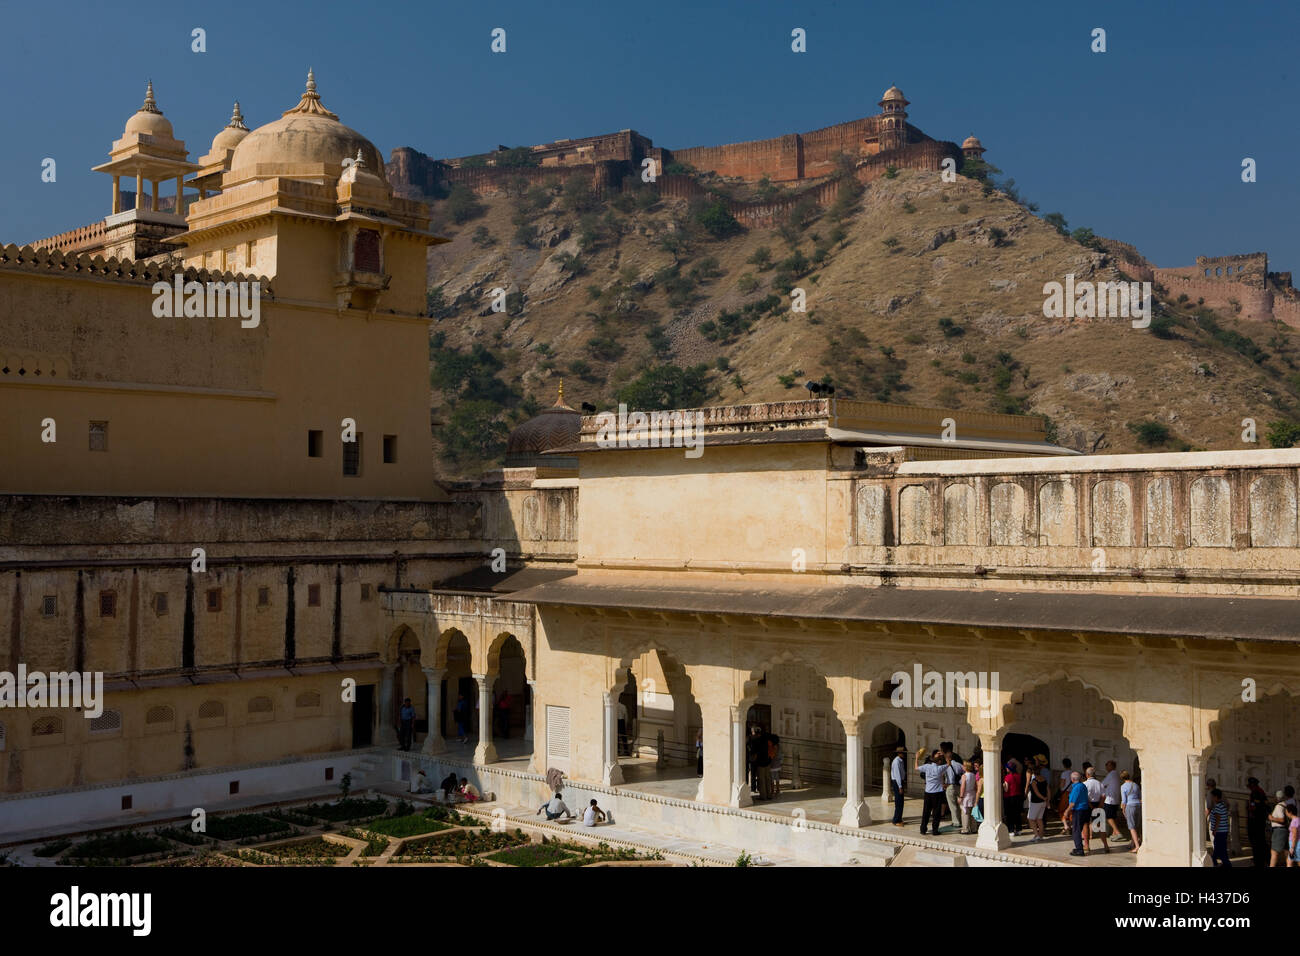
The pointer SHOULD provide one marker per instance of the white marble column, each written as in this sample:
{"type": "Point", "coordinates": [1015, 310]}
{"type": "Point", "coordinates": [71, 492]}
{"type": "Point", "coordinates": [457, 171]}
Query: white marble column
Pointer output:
{"type": "Point", "coordinates": [1200, 855]}
{"type": "Point", "coordinates": [740, 795]}
{"type": "Point", "coordinates": [117, 194]}
{"type": "Point", "coordinates": [993, 833]}
{"type": "Point", "coordinates": [611, 772]}
{"type": "Point", "coordinates": [486, 751]}
{"type": "Point", "coordinates": [139, 190]}
{"type": "Point", "coordinates": [433, 742]}
{"type": "Point", "coordinates": [387, 733]}
{"type": "Point", "coordinates": [855, 812]}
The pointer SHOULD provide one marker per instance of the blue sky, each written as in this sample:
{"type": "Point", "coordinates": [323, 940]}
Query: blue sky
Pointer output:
{"type": "Point", "coordinates": [1142, 143]}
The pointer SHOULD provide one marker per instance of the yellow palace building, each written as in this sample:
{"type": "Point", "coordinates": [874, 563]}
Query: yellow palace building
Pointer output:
{"type": "Point", "coordinates": [232, 523]}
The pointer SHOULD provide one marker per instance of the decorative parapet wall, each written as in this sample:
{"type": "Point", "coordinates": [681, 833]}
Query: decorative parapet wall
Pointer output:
{"type": "Point", "coordinates": [54, 262]}
{"type": "Point", "coordinates": [91, 237]}
{"type": "Point", "coordinates": [1223, 522]}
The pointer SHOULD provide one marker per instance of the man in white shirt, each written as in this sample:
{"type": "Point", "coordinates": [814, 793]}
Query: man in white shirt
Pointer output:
{"type": "Point", "coordinates": [593, 815]}
{"type": "Point", "coordinates": [1110, 787]}
{"type": "Point", "coordinates": [1095, 796]}
{"type": "Point", "coordinates": [898, 781]}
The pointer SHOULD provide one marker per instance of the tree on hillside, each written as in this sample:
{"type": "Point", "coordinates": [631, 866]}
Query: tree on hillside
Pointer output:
{"type": "Point", "coordinates": [716, 219]}
{"type": "Point", "coordinates": [666, 386]}
{"type": "Point", "coordinates": [474, 431]}
{"type": "Point", "coordinates": [1283, 434]}
{"type": "Point", "coordinates": [463, 205]}
{"type": "Point", "coordinates": [1057, 222]}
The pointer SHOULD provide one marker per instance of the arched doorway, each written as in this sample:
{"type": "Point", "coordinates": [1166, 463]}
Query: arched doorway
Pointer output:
{"type": "Point", "coordinates": [1259, 739]}
{"type": "Point", "coordinates": [791, 702]}
{"type": "Point", "coordinates": [886, 738]}
{"type": "Point", "coordinates": [1066, 719]}
{"type": "Point", "coordinates": [656, 722]}
{"type": "Point", "coordinates": [511, 698]}
{"type": "Point", "coordinates": [409, 683]}
{"type": "Point", "coordinates": [459, 717]}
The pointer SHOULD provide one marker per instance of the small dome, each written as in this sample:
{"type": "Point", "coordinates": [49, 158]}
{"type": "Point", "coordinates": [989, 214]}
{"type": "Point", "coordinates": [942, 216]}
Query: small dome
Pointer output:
{"type": "Point", "coordinates": [357, 172]}
{"type": "Point", "coordinates": [970, 142]}
{"type": "Point", "coordinates": [892, 94]}
{"type": "Point", "coordinates": [148, 119]}
{"type": "Point", "coordinates": [308, 134]}
{"type": "Point", "coordinates": [554, 427]}
{"type": "Point", "coordinates": [233, 133]}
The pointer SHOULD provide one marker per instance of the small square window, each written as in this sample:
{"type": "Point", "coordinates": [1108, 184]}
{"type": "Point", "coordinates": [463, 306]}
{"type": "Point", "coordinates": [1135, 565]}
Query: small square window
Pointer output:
{"type": "Point", "coordinates": [315, 442]}
{"type": "Point", "coordinates": [50, 605]}
{"type": "Point", "coordinates": [99, 436]}
{"type": "Point", "coordinates": [390, 449]}
{"type": "Point", "coordinates": [313, 595]}
{"type": "Point", "coordinates": [329, 773]}
{"type": "Point", "coordinates": [365, 592]}
{"type": "Point", "coordinates": [108, 604]}
{"type": "Point", "coordinates": [214, 599]}
{"type": "Point", "coordinates": [160, 603]}
{"type": "Point", "coordinates": [352, 457]}
{"type": "Point", "coordinates": [263, 597]}
{"type": "Point", "coordinates": [234, 786]}
{"type": "Point", "coordinates": [126, 801]}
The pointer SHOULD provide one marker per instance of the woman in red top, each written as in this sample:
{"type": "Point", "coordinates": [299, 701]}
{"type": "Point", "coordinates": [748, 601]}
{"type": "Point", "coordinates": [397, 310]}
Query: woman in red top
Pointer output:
{"type": "Point", "coordinates": [1013, 799]}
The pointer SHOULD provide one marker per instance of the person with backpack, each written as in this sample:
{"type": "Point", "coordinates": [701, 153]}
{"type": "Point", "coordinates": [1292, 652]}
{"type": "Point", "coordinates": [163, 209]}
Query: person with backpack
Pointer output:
{"type": "Point", "coordinates": [1278, 833]}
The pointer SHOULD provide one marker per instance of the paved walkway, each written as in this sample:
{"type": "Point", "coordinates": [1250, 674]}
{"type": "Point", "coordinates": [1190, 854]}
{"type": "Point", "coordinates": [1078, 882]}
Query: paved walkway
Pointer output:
{"type": "Point", "coordinates": [823, 803]}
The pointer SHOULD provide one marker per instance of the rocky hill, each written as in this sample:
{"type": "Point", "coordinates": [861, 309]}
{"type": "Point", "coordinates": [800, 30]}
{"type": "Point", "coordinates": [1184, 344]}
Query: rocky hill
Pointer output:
{"type": "Point", "coordinates": [917, 291]}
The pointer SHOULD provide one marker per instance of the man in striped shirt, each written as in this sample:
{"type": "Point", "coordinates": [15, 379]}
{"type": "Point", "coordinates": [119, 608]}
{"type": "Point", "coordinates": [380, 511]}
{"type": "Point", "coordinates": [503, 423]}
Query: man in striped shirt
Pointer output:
{"type": "Point", "coordinates": [1218, 815]}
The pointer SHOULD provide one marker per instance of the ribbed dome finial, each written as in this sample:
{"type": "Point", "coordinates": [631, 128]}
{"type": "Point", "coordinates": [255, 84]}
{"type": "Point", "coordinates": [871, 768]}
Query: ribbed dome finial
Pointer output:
{"type": "Point", "coordinates": [560, 399]}
{"type": "Point", "coordinates": [149, 105]}
{"type": "Point", "coordinates": [310, 102]}
{"type": "Point", "coordinates": [236, 119]}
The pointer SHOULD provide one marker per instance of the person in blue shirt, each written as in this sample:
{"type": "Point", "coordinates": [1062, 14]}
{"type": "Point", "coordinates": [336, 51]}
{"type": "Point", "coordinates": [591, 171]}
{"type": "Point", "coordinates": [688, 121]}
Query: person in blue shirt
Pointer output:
{"type": "Point", "coordinates": [1079, 812]}
{"type": "Point", "coordinates": [406, 725]}
{"type": "Point", "coordinates": [898, 781]}
{"type": "Point", "coordinates": [933, 770]}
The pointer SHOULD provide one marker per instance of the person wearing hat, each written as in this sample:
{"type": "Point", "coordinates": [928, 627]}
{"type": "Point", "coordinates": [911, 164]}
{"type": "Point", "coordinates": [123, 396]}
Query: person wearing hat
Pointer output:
{"type": "Point", "coordinates": [898, 783]}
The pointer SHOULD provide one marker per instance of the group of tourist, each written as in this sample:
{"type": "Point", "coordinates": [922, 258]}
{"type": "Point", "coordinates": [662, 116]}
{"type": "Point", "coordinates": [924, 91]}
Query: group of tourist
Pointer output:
{"type": "Point", "coordinates": [763, 757]}
{"type": "Point", "coordinates": [1084, 803]}
{"type": "Point", "coordinates": [1272, 825]}
{"type": "Point", "coordinates": [556, 808]}
{"type": "Point", "coordinates": [452, 790]}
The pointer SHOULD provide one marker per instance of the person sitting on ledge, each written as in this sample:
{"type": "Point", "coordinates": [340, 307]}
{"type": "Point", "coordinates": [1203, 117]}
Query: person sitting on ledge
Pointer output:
{"type": "Point", "coordinates": [593, 815]}
{"type": "Point", "coordinates": [449, 786]}
{"type": "Point", "coordinates": [420, 783]}
{"type": "Point", "coordinates": [470, 792]}
{"type": "Point", "coordinates": [555, 808]}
